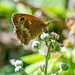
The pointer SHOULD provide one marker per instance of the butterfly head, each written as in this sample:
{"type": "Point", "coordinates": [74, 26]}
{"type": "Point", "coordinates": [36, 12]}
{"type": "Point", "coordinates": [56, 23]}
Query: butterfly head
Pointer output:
{"type": "Point", "coordinates": [18, 18]}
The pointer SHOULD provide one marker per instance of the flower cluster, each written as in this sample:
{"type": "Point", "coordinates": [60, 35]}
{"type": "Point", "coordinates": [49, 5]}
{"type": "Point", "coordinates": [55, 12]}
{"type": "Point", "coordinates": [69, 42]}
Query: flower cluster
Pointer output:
{"type": "Point", "coordinates": [18, 65]}
{"type": "Point", "coordinates": [45, 37]}
{"type": "Point", "coordinates": [42, 66]}
{"type": "Point", "coordinates": [50, 42]}
{"type": "Point", "coordinates": [55, 36]}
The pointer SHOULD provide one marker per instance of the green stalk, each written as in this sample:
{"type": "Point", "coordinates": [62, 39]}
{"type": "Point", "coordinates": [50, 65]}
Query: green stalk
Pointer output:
{"type": "Point", "coordinates": [23, 72]}
{"type": "Point", "coordinates": [47, 56]}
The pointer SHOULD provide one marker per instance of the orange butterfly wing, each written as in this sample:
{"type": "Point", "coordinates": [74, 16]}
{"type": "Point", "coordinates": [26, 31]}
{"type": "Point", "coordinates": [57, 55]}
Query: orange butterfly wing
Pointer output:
{"type": "Point", "coordinates": [28, 27]}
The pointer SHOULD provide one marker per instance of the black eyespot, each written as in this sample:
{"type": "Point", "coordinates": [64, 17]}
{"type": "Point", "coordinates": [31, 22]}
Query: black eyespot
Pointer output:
{"type": "Point", "coordinates": [22, 19]}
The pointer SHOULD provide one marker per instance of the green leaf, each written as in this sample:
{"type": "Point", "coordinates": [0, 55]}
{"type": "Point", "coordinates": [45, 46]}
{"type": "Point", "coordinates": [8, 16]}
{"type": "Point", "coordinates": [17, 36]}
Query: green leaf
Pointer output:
{"type": "Point", "coordinates": [54, 8]}
{"type": "Point", "coordinates": [53, 12]}
{"type": "Point", "coordinates": [32, 58]}
{"type": "Point", "coordinates": [31, 68]}
{"type": "Point", "coordinates": [58, 4]}
{"type": "Point", "coordinates": [8, 70]}
{"type": "Point", "coordinates": [6, 12]}
{"type": "Point", "coordinates": [35, 70]}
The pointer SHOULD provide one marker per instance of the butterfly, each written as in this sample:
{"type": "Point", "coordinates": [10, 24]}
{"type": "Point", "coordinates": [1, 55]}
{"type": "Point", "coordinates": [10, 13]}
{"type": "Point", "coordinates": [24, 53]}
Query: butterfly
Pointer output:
{"type": "Point", "coordinates": [27, 27]}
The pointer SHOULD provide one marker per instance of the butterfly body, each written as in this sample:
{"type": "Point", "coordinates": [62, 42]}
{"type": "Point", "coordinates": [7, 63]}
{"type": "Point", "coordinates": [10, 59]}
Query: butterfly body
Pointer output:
{"type": "Point", "coordinates": [27, 27]}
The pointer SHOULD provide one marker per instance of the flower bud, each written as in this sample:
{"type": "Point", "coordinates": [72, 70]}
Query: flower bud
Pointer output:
{"type": "Point", "coordinates": [42, 66]}
{"type": "Point", "coordinates": [36, 44]}
{"type": "Point", "coordinates": [64, 66]}
{"type": "Point", "coordinates": [18, 63]}
{"type": "Point", "coordinates": [55, 36]}
{"type": "Point", "coordinates": [45, 36]}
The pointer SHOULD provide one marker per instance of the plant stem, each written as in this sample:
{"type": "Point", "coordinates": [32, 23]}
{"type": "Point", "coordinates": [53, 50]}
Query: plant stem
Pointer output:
{"type": "Point", "coordinates": [47, 56]}
{"type": "Point", "coordinates": [23, 72]}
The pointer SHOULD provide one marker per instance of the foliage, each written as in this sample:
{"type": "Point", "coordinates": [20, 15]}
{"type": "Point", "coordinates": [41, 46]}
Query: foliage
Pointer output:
{"type": "Point", "coordinates": [8, 70]}
{"type": "Point", "coordinates": [30, 59]}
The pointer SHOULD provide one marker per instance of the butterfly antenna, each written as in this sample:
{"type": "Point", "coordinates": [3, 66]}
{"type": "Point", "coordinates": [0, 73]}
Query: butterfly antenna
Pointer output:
{"type": "Point", "coordinates": [51, 21]}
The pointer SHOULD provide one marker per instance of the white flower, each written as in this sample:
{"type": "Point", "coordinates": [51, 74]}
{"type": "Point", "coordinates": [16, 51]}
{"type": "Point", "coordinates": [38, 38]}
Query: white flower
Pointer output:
{"type": "Point", "coordinates": [12, 61]}
{"type": "Point", "coordinates": [35, 44]}
{"type": "Point", "coordinates": [18, 63]}
{"type": "Point", "coordinates": [42, 64]}
{"type": "Point", "coordinates": [18, 68]}
{"type": "Point", "coordinates": [45, 36]}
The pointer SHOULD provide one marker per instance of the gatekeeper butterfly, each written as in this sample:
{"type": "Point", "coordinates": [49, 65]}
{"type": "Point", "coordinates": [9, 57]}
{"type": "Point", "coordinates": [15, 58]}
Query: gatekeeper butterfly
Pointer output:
{"type": "Point", "coordinates": [27, 27]}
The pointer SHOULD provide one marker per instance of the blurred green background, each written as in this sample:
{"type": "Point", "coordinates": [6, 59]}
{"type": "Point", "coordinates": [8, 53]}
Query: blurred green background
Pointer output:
{"type": "Point", "coordinates": [46, 10]}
